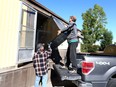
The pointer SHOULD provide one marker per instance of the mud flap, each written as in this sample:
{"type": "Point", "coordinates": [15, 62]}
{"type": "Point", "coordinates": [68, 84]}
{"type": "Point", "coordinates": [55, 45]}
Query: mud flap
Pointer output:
{"type": "Point", "coordinates": [64, 73]}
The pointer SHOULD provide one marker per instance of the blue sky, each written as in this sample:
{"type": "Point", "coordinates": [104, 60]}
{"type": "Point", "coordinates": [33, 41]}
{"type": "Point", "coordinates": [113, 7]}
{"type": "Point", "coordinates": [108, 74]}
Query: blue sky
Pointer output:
{"type": "Point", "coordinates": [66, 8]}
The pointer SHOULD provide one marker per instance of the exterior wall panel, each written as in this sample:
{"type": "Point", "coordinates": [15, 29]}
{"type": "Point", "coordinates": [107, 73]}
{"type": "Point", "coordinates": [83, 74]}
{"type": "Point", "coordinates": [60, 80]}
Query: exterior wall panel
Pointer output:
{"type": "Point", "coordinates": [9, 19]}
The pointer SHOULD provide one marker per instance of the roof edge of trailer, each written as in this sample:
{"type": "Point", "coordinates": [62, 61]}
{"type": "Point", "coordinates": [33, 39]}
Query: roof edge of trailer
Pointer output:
{"type": "Point", "coordinates": [34, 2]}
{"type": "Point", "coordinates": [46, 9]}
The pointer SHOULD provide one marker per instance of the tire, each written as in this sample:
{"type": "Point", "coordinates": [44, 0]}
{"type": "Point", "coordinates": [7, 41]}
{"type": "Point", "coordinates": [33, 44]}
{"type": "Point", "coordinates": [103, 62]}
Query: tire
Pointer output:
{"type": "Point", "coordinates": [112, 83]}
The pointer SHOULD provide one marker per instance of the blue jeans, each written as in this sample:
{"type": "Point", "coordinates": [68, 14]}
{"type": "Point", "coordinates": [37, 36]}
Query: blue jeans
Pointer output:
{"type": "Point", "coordinates": [44, 80]}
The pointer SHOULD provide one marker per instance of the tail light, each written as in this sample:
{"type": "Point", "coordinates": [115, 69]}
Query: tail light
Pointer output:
{"type": "Point", "coordinates": [87, 67]}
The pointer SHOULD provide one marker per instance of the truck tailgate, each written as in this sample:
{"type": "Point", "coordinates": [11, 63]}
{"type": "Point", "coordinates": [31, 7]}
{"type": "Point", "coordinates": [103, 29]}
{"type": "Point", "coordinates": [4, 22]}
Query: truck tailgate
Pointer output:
{"type": "Point", "coordinates": [64, 73]}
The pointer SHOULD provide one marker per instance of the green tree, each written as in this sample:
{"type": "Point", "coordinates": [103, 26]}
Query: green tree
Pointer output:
{"type": "Point", "coordinates": [106, 40]}
{"type": "Point", "coordinates": [94, 21]}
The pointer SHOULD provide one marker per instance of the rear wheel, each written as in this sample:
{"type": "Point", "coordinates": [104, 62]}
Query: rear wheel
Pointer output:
{"type": "Point", "coordinates": [112, 83]}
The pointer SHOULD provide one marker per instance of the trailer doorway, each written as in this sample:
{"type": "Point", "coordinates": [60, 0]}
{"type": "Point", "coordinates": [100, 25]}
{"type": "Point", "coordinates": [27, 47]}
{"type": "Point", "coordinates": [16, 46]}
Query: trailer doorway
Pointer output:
{"type": "Point", "coordinates": [46, 29]}
{"type": "Point", "coordinates": [35, 27]}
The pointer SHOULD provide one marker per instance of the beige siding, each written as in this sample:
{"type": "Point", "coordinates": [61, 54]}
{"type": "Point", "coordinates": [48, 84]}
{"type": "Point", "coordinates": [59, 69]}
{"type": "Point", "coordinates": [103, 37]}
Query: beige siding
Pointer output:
{"type": "Point", "coordinates": [9, 20]}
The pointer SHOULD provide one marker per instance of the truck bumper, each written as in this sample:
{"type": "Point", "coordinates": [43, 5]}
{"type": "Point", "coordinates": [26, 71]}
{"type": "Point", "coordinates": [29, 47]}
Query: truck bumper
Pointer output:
{"type": "Point", "coordinates": [80, 83]}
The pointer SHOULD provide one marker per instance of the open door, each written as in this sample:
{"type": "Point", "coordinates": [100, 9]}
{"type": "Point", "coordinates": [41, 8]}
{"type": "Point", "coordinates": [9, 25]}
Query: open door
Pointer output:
{"type": "Point", "coordinates": [27, 34]}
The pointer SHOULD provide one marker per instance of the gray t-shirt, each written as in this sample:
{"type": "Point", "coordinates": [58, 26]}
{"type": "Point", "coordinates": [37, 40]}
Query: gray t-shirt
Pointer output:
{"type": "Point", "coordinates": [72, 37]}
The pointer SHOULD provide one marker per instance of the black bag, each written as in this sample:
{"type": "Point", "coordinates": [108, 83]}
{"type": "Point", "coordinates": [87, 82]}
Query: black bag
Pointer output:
{"type": "Point", "coordinates": [61, 37]}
